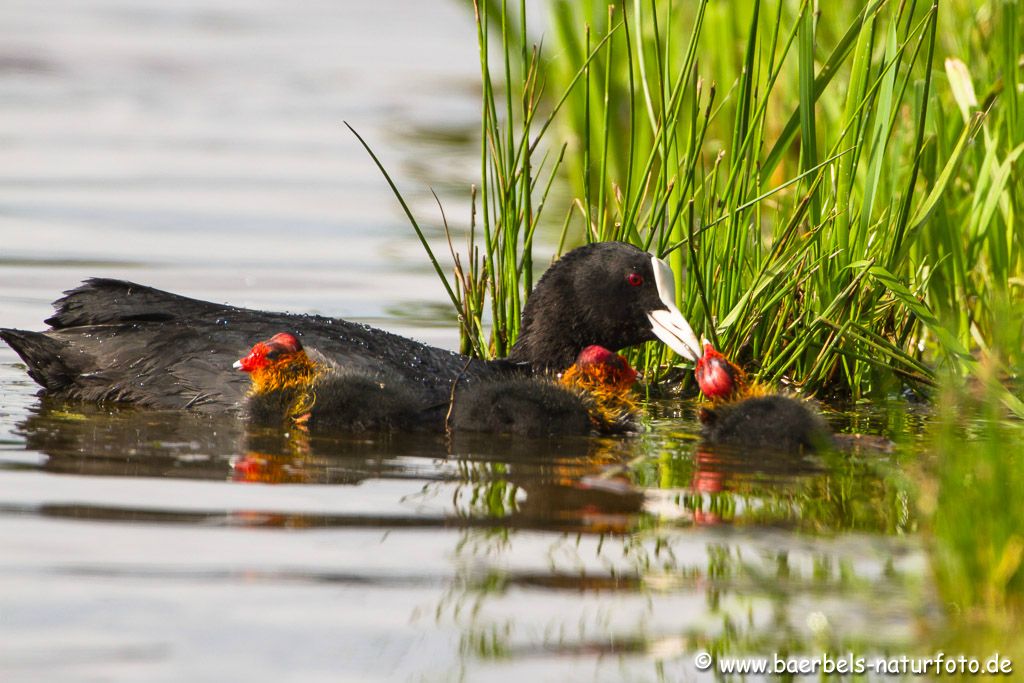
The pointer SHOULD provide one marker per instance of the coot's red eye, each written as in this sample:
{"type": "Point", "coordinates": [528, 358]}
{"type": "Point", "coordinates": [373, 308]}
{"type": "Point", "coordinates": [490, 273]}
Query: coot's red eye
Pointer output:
{"type": "Point", "coordinates": [635, 279]}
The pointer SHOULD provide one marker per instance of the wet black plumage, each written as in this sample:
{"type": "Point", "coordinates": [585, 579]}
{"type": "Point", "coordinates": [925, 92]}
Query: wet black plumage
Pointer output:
{"type": "Point", "coordinates": [112, 340]}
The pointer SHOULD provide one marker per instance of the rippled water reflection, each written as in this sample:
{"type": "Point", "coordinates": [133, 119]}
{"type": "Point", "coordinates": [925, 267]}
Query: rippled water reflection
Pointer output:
{"type": "Point", "coordinates": [161, 542]}
{"type": "Point", "coordinates": [197, 146]}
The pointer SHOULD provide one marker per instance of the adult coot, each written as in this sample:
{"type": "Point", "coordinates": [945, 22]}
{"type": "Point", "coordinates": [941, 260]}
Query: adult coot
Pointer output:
{"type": "Point", "coordinates": [112, 340]}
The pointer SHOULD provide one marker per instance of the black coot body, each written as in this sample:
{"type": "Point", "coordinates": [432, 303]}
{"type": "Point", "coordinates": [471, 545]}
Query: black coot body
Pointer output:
{"type": "Point", "coordinates": [774, 422]}
{"type": "Point", "coordinates": [117, 341]}
{"type": "Point", "coordinates": [112, 340]}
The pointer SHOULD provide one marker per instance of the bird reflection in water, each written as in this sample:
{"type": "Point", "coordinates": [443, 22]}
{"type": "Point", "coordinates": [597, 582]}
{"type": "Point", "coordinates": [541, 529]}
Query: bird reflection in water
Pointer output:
{"type": "Point", "coordinates": [274, 457]}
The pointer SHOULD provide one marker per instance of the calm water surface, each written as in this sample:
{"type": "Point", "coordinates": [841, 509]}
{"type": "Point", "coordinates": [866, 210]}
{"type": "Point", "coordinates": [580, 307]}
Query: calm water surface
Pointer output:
{"type": "Point", "coordinates": [198, 146]}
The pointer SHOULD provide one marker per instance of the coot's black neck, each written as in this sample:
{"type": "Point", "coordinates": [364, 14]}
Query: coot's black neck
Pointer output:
{"type": "Point", "coordinates": [544, 355]}
{"type": "Point", "coordinates": [551, 339]}
{"type": "Point", "coordinates": [579, 301]}
{"type": "Point", "coordinates": [559, 322]}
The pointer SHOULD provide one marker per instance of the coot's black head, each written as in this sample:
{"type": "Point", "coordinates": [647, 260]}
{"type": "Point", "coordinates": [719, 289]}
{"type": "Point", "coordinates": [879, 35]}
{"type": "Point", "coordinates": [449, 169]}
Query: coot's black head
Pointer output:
{"type": "Point", "coordinates": [608, 293]}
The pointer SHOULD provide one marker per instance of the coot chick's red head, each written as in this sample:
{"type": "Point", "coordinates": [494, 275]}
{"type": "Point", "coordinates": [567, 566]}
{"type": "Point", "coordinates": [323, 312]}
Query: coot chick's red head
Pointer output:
{"type": "Point", "coordinates": [280, 348]}
{"type": "Point", "coordinates": [716, 376]}
{"type": "Point", "coordinates": [603, 367]}
{"type": "Point", "coordinates": [608, 294]}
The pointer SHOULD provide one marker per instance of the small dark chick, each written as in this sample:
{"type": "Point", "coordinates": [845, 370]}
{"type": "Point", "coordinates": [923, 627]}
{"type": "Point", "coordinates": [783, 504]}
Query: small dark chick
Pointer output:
{"type": "Point", "coordinates": [593, 395]}
{"type": "Point", "coordinates": [291, 386]}
{"type": "Point", "coordinates": [745, 414]}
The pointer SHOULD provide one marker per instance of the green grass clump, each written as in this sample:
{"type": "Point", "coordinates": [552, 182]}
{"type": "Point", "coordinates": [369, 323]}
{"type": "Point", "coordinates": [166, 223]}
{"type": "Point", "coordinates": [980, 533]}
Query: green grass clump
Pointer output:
{"type": "Point", "coordinates": [836, 189]}
{"type": "Point", "coordinates": [843, 207]}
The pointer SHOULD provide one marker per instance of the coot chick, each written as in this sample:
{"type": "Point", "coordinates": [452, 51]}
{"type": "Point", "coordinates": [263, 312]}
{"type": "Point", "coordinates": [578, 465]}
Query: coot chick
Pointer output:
{"type": "Point", "coordinates": [593, 395]}
{"type": "Point", "coordinates": [520, 406]}
{"type": "Point", "coordinates": [112, 340]}
{"type": "Point", "coordinates": [748, 415]}
{"type": "Point", "coordinates": [292, 385]}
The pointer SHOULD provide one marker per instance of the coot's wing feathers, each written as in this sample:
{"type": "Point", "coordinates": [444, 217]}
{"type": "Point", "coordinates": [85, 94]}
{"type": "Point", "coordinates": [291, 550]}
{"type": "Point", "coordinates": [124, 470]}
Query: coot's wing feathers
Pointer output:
{"type": "Point", "coordinates": [100, 301]}
{"type": "Point", "coordinates": [171, 366]}
{"type": "Point", "coordinates": [122, 341]}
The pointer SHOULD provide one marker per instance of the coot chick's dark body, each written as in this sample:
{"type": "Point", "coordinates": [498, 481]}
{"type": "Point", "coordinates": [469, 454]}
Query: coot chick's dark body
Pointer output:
{"type": "Point", "coordinates": [520, 406]}
{"type": "Point", "coordinates": [595, 394]}
{"type": "Point", "coordinates": [112, 340]}
{"type": "Point", "coordinates": [775, 422]}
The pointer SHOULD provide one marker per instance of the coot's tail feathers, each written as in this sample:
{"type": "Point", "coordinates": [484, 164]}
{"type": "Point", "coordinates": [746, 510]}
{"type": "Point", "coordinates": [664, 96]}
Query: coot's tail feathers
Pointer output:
{"type": "Point", "coordinates": [103, 301]}
{"type": "Point", "coordinates": [45, 357]}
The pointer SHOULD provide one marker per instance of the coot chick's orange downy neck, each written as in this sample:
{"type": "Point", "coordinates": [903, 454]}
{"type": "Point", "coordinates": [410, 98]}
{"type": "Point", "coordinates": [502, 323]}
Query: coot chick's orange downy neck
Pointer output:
{"type": "Point", "coordinates": [111, 340]}
{"type": "Point", "coordinates": [605, 381]}
{"type": "Point", "coordinates": [748, 415]}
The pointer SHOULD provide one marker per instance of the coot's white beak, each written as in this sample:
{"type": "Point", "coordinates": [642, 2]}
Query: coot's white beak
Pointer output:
{"type": "Point", "coordinates": [668, 323]}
